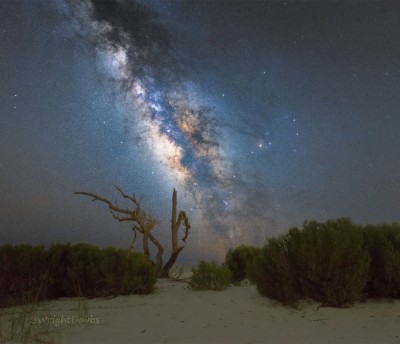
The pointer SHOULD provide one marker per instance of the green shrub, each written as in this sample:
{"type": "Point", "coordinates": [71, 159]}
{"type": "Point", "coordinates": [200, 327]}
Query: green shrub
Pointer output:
{"type": "Point", "coordinates": [23, 273]}
{"type": "Point", "coordinates": [83, 270]}
{"type": "Point", "coordinates": [58, 262]}
{"type": "Point", "coordinates": [383, 243]}
{"type": "Point", "coordinates": [327, 262]}
{"type": "Point", "coordinates": [238, 259]}
{"type": "Point", "coordinates": [273, 273]}
{"type": "Point", "coordinates": [30, 273]}
{"type": "Point", "coordinates": [210, 276]}
{"type": "Point", "coordinates": [127, 272]}
{"type": "Point", "coordinates": [6, 273]}
{"type": "Point", "coordinates": [331, 260]}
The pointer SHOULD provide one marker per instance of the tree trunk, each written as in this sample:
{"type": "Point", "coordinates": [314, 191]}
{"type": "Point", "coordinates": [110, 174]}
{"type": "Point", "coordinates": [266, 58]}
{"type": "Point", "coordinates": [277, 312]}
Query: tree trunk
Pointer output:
{"type": "Point", "coordinates": [146, 250]}
{"type": "Point", "coordinates": [160, 251]}
{"type": "Point", "coordinates": [171, 262]}
{"type": "Point", "coordinates": [175, 224]}
{"type": "Point", "coordinates": [174, 227]}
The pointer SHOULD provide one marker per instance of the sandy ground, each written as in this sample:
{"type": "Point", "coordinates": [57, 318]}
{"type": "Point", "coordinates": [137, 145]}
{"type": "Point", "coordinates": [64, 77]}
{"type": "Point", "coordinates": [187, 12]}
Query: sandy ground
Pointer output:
{"type": "Point", "coordinates": [174, 314]}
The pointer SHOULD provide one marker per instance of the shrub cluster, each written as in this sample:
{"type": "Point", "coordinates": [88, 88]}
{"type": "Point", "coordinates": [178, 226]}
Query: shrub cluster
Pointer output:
{"type": "Point", "coordinates": [210, 276]}
{"type": "Point", "coordinates": [29, 273]}
{"type": "Point", "coordinates": [335, 263]}
{"type": "Point", "coordinates": [239, 259]}
{"type": "Point", "coordinates": [383, 243]}
{"type": "Point", "coordinates": [23, 273]}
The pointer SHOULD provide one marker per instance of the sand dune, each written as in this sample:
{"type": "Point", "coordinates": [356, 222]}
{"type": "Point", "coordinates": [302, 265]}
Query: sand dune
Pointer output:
{"type": "Point", "coordinates": [174, 314]}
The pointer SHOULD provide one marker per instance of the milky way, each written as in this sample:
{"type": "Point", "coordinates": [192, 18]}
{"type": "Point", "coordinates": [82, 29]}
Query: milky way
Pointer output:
{"type": "Point", "coordinates": [262, 114]}
{"type": "Point", "coordinates": [178, 130]}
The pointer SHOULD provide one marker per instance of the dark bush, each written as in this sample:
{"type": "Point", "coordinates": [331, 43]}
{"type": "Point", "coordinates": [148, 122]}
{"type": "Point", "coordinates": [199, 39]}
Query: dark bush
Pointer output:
{"type": "Point", "coordinates": [383, 242]}
{"type": "Point", "coordinates": [84, 270]}
{"type": "Point", "coordinates": [6, 273]}
{"type": "Point", "coordinates": [327, 262]}
{"type": "Point", "coordinates": [58, 263]}
{"type": "Point", "coordinates": [23, 273]}
{"type": "Point", "coordinates": [127, 272]}
{"type": "Point", "coordinates": [210, 276]}
{"type": "Point", "coordinates": [30, 273]}
{"type": "Point", "coordinates": [273, 273]}
{"type": "Point", "coordinates": [238, 259]}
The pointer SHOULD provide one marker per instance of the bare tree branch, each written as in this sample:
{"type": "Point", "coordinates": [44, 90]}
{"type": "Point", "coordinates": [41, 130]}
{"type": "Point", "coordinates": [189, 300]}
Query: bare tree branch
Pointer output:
{"type": "Point", "coordinates": [143, 222]}
{"type": "Point", "coordinates": [132, 198]}
{"type": "Point", "coordinates": [182, 216]}
{"type": "Point", "coordinates": [134, 237]}
{"type": "Point", "coordinates": [101, 199]}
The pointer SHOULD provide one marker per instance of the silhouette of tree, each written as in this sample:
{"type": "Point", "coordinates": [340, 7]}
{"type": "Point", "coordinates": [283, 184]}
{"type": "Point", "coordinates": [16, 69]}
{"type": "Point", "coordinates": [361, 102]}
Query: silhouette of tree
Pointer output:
{"type": "Point", "coordinates": [143, 222]}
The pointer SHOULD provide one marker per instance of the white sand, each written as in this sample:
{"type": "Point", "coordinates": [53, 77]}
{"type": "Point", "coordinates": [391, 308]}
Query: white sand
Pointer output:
{"type": "Point", "coordinates": [174, 314]}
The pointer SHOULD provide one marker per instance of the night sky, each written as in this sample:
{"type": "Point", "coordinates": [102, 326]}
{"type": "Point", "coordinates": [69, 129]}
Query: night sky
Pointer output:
{"type": "Point", "coordinates": [261, 115]}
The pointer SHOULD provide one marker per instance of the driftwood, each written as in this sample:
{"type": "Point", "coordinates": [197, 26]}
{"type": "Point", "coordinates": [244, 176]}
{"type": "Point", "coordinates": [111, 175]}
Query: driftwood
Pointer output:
{"type": "Point", "coordinates": [143, 223]}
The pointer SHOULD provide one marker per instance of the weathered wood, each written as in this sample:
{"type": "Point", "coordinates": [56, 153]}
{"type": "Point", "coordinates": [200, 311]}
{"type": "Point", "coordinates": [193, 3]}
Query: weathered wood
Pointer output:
{"type": "Point", "coordinates": [143, 223]}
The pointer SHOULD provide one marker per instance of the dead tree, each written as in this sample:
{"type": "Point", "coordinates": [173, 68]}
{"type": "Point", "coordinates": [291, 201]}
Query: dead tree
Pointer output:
{"type": "Point", "coordinates": [142, 222]}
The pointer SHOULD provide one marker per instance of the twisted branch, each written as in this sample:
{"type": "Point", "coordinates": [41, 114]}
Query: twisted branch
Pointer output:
{"type": "Point", "coordinates": [142, 222]}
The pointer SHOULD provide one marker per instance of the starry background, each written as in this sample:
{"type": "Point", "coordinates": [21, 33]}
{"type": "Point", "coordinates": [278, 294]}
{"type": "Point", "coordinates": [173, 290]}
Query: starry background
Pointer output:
{"type": "Point", "coordinates": [261, 115]}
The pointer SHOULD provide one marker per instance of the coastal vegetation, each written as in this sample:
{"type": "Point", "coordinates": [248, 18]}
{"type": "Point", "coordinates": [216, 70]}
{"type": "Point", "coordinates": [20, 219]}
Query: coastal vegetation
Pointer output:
{"type": "Point", "coordinates": [238, 260]}
{"type": "Point", "coordinates": [335, 263]}
{"type": "Point", "coordinates": [210, 276]}
{"type": "Point", "coordinates": [32, 273]}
